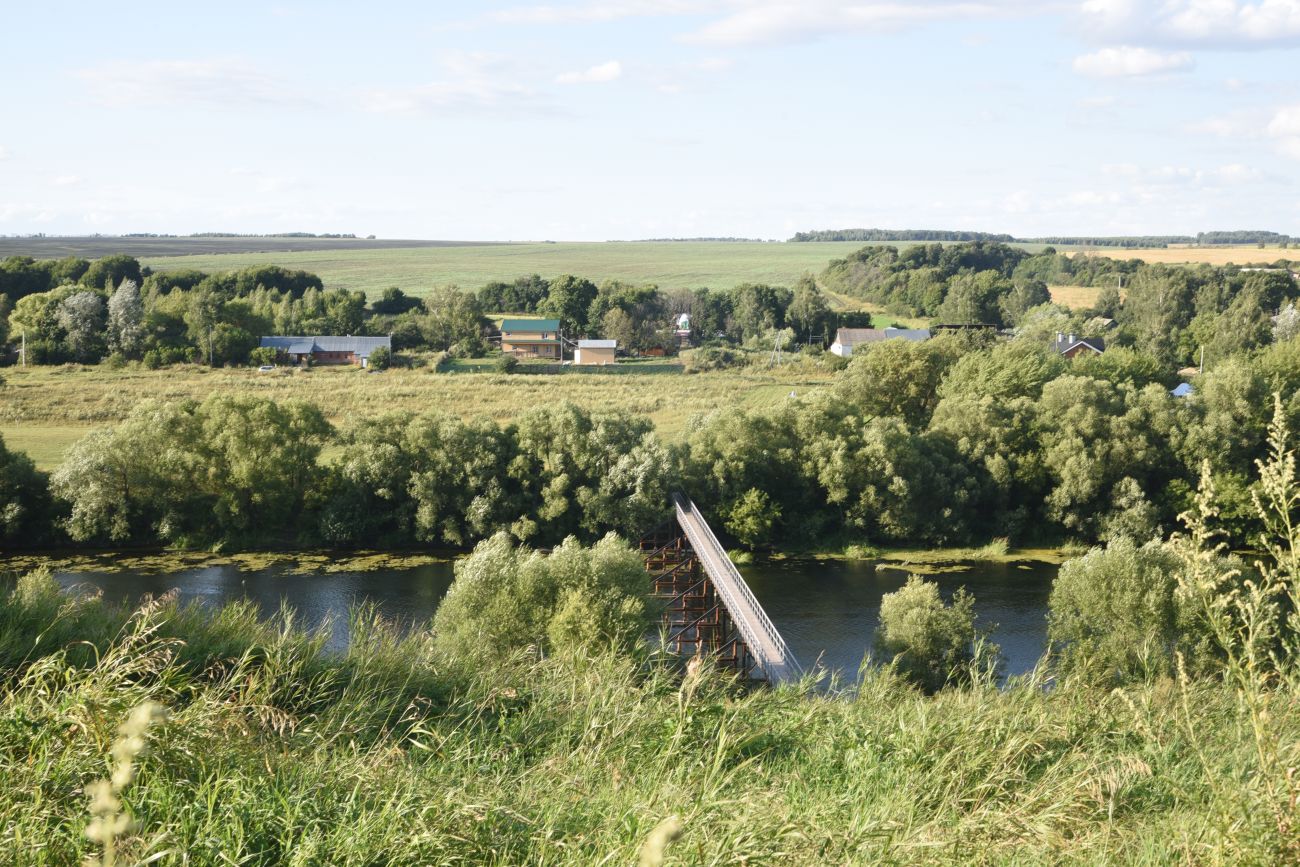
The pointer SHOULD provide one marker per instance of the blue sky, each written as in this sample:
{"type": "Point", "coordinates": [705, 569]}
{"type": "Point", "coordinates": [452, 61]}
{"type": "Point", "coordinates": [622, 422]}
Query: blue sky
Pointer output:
{"type": "Point", "coordinates": [581, 120]}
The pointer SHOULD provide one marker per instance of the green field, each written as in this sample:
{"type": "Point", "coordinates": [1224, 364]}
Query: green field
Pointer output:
{"type": "Point", "coordinates": [44, 410]}
{"type": "Point", "coordinates": [670, 265]}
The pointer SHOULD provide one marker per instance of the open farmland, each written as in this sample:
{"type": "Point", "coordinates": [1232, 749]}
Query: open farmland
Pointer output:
{"type": "Point", "coordinates": [670, 265]}
{"type": "Point", "coordinates": [1243, 254]}
{"type": "Point", "coordinates": [44, 410]}
{"type": "Point", "coordinates": [1075, 297]}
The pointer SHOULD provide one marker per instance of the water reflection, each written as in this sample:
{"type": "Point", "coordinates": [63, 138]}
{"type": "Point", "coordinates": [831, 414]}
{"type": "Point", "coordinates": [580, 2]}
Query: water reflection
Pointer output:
{"type": "Point", "coordinates": [407, 597]}
{"type": "Point", "coordinates": [825, 609]}
{"type": "Point", "coordinates": [830, 609]}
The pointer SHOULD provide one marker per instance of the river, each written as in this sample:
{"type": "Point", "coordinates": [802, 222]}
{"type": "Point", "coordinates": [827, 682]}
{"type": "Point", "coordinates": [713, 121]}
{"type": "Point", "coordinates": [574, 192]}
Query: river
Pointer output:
{"type": "Point", "coordinates": [827, 610]}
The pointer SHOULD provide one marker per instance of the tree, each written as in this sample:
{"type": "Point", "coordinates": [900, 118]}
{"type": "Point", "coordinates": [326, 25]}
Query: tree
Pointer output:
{"type": "Point", "coordinates": [1286, 324]}
{"type": "Point", "coordinates": [568, 299]}
{"type": "Point", "coordinates": [974, 299]}
{"type": "Point", "coordinates": [81, 316]}
{"type": "Point", "coordinates": [759, 308]}
{"type": "Point", "coordinates": [508, 598]}
{"type": "Point", "coordinates": [809, 314]}
{"type": "Point", "coordinates": [930, 643]}
{"type": "Point", "coordinates": [454, 319]}
{"type": "Point", "coordinates": [26, 510]}
{"type": "Point", "coordinates": [394, 302]}
{"type": "Point", "coordinates": [1024, 296]}
{"type": "Point", "coordinates": [230, 469]}
{"type": "Point", "coordinates": [380, 358]}
{"type": "Point", "coordinates": [110, 271]}
{"type": "Point", "coordinates": [898, 378]}
{"type": "Point", "coordinates": [125, 329]}
{"type": "Point", "coordinates": [753, 517]}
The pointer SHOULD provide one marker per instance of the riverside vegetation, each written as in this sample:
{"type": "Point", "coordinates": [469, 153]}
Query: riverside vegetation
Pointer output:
{"type": "Point", "coordinates": [952, 441]}
{"type": "Point", "coordinates": [530, 725]}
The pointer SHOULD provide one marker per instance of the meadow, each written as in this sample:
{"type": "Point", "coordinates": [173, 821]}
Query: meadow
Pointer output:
{"type": "Point", "coordinates": [44, 410]}
{"type": "Point", "coordinates": [670, 265]}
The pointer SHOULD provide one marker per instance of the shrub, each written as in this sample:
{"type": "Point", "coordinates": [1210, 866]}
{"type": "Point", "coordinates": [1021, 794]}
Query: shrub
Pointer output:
{"type": "Point", "coordinates": [262, 355]}
{"type": "Point", "coordinates": [1116, 616]}
{"type": "Point", "coordinates": [506, 598]}
{"type": "Point", "coordinates": [930, 643]}
{"type": "Point", "coordinates": [506, 364]}
{"type": "Point", "coordinates": [712, 358]}
{"type": "Point", "coordinates": [381, 358]}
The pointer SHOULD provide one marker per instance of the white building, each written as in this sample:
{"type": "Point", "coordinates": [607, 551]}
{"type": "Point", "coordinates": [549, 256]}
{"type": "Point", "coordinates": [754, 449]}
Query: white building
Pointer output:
{"type": "Point", "coordinates": [595, 352]}
{"type": "Point", "coordinates": [849, 339]}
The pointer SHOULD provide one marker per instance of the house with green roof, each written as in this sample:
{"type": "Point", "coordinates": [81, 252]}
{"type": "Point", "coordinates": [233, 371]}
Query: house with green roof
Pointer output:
{"type": "Point", "coordinates": [531, 338]}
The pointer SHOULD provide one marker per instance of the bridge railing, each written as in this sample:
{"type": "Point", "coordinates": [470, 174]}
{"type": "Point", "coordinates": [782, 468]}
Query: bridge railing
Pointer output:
{"type": "Point", "coordinates": [688, 514]}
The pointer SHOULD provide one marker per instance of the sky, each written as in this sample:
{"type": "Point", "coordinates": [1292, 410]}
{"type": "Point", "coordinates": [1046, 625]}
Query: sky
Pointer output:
{"type": "Point", "coordinates": [632, 119]}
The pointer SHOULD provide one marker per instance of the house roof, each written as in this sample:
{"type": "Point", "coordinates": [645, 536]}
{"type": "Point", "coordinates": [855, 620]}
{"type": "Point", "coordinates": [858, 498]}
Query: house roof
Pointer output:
{"type": "Point", "coordinates": [907, 333]}
{"type": "Point", "coordinates": [529, 325]}
{"type": "Point", "coordinates": [1065, 344]}
{"type": "Point", "coordinates": [855, 336]}
{"type": "Point", "coordinates": [1183, 390]}
{"type": "Point", "coordinates": [597, 344]}
{"type": "Point", "coordinates": [301, 345]}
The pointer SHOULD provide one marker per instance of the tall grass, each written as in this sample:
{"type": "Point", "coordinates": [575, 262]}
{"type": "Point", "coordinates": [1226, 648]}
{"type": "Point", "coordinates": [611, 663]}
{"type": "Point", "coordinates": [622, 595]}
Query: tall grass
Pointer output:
{"type": "Point", "coordinates": [275, 752]}
{"type": "Point", "coordinates": [49, 408]}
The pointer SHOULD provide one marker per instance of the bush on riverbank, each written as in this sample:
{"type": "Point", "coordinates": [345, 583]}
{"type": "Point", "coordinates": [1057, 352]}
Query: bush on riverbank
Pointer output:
{"type": "Point", "coordinates": [277, 752]}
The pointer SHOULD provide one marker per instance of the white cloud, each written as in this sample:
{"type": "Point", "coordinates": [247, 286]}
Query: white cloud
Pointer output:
{"type": "Point", "coordinates": [228, 82]}
{"type": "Point", "coordinates": [1285, 129]}
{"type": "Point", "coordinates": [604, 10]}
{"type": "Point", "coordinates": [4, 153]}
{"type": "Point", "coordinates": [65, 180]}
{"type": "Point", "coordinates": [1210, 23]}
{"type": "Point", "coordinates": [775, 21]}
{"type": "Point", "coordinates": [756, 22]}
{"type": "Point", "coordinates": [474, 81]}
{"type": "Point", "coordinates": [601, 73]}
{"type": "Point", "coordinates": [1129, 61]}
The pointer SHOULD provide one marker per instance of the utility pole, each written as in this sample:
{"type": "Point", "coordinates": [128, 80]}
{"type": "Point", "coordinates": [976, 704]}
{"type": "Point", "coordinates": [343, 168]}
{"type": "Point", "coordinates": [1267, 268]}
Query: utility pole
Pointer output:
{"type": "Point", "coordinates": [24, 350]}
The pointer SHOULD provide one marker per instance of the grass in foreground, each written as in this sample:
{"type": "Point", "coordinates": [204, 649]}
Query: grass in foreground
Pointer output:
{"type": "Point", "coordinates": [275, 753]}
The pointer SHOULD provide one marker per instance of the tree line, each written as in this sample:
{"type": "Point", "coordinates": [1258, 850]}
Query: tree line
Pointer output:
{"type": "Point", "coordinates": [1167, 312]}
{"type": "Point", "coordinates": [958, 439]}
{"type": "Point", "coordinates": [74, 310]}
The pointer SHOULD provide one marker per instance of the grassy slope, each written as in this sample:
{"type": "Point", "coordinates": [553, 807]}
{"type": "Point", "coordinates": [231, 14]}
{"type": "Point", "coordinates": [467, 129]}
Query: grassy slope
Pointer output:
{"type": "Point", "coordinates": [275, 753]}
{"type": "Point", "coordinates": [670, 264]}
{"type": "Point", "coordinates": [43, 410]}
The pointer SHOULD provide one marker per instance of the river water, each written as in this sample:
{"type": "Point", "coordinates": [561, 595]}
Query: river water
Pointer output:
{"type": "Point", "coordinates": [827, 610]}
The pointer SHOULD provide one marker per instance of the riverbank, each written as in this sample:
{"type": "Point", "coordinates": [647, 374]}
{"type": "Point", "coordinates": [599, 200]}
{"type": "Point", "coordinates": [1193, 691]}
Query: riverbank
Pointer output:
{"type": "Point", "coordinates": [277, 751]}
{"type": "Point", "coordinates": [922, 560]}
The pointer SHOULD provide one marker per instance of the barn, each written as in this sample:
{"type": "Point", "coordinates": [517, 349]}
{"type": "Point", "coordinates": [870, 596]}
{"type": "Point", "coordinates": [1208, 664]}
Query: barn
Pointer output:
{"type": "Point", "coordinates": [595, 352]}
{"type": "Point", "coordinates": [322, 349]}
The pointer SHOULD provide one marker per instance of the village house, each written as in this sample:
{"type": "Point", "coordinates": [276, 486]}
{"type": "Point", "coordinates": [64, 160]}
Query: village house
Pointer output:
{"type": "Point", "coordinates": [595, 352]}
{"type": "Point", "coordinates": [531, 338]}
{"type": "Point", "coordinates": [849, 339]}
{"type": "Point", "coordinates": [1070, 345]}
{"type": "Point", "coordinates": [322, 349]}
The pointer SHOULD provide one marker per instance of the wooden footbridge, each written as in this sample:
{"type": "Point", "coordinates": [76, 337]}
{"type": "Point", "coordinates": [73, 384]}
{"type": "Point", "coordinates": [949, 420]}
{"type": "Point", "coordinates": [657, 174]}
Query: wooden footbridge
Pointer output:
{"type": "Point", "coordinates": [708, 608]}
